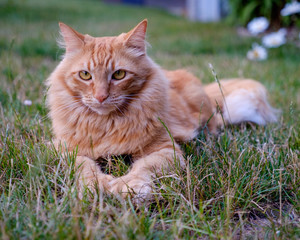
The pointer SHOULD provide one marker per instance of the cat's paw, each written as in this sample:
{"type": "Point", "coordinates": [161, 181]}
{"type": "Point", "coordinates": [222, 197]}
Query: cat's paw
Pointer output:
{"type": "Point", "coordinates": [131, 185]}
{"type": "Point", "coordinates": [101, 183]}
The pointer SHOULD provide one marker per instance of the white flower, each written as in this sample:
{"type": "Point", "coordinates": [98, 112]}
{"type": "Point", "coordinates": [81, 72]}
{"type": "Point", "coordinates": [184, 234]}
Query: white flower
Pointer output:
{"type": "Point", "coordinates": [290, 8]}
{"type": "Point", "coordinates": [282, 31]}
{"type": "Point", "coordinates": [27, 102]}
{"type": "Point", "coordinates": [274, 39]}
{"type": "Point", "coordinates": [258, 25]}
{"type": "Point", "coordinates": [257, 53]}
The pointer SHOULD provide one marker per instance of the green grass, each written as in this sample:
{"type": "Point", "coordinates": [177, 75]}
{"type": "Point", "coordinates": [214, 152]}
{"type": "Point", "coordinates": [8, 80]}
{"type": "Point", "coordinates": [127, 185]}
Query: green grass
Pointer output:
{"type": "Point", "coordinates": [243, 184]}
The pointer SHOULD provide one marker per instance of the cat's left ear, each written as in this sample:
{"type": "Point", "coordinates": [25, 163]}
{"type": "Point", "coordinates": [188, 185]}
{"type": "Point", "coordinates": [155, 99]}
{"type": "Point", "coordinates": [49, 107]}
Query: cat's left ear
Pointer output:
{"type": "Point", "coordinates": [136, 37]}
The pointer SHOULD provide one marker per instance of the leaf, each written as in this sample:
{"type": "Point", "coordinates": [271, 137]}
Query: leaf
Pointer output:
{"type": "Point", "coordinates": [248, 12]}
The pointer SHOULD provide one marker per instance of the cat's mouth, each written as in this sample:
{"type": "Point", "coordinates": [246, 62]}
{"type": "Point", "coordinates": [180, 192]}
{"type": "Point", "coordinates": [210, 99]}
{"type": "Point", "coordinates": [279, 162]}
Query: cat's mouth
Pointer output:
{"type": "Point", "coordinates": [106, 107]}
{"type": "Point", "coordinates": [103, 109]}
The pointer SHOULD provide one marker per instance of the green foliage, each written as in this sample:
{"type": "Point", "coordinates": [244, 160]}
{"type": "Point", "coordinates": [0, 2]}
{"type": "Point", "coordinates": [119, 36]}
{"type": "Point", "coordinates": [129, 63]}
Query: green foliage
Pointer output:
{"type": "Point", "coordinates": [242, 184]}
{"type": "Point", "coordinates": [38, 47]}
{"type": "Point", "coordinates": [242, 11]}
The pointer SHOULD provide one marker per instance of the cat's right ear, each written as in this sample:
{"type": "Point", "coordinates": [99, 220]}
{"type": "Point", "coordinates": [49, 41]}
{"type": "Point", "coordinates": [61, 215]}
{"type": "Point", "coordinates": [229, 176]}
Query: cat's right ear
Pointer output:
{"type": "Point", "coordinates": [73, 40]}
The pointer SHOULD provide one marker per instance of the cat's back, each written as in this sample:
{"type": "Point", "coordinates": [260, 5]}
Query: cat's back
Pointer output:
{"type": "Point", "coordinates": [189, 105]}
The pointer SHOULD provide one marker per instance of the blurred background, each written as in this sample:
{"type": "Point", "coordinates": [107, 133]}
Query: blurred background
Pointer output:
{"type": "Point", "coordinates": [236, 11]}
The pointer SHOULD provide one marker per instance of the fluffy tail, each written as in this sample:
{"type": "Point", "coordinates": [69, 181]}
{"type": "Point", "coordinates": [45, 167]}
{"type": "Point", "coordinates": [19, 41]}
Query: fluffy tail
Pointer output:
{"type": "Point", "coordinates": [241, 101]}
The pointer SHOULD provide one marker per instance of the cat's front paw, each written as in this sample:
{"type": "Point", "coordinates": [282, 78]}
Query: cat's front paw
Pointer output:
{"type": "Point", "coordinates": [93, 185]}
{"type": "Point", "coordinates": [137, 187]}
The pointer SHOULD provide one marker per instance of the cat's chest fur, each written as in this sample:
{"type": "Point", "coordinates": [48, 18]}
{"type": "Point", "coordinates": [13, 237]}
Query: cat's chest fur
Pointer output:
{"type": "Point", "coordinates": [100, 136]}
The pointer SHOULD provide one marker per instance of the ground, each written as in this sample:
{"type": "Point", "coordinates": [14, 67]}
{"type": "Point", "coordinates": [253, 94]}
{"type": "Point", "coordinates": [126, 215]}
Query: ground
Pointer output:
{"type": "Point", "coordinates": [245, 183]}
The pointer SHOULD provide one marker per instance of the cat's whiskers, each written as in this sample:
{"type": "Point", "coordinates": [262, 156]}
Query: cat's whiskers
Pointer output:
{"type": "Point", "coordinates": [115, 101]}
{"type": "Point", "coordinates": [67, 109]}
{"type": "Point", "coordinates": [133, 97]}
{"type": "Point", "coordinates": [120, 99]}
{"type": "Point", "coordinates": [61, 108]}
{"type": "Point", "coordinates": [119, 109]}
{"type": "Point", "coordinates": [64, 97]}
{"type": "Point", "coordinates": [67, 106]}
{"type": "Point", "coordinates": [127, 98]}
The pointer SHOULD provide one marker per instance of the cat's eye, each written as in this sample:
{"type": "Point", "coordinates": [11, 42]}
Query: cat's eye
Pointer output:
{"type": "Point", "coordinates": [85, 75]}
{"type": "Point", "coordinates": [118, 75]}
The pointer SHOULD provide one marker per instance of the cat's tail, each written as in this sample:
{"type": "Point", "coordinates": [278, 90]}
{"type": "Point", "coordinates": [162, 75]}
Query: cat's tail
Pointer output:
{"type": "Point", "coordinates": [241, 101]}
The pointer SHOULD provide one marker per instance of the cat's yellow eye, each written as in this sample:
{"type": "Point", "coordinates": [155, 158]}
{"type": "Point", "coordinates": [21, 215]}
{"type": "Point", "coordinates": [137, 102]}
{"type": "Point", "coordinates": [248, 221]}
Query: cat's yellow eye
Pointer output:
{"type": "Point", "coordinates": [118, 75]}
{"type": "Point", "coordinates": [84, 75]}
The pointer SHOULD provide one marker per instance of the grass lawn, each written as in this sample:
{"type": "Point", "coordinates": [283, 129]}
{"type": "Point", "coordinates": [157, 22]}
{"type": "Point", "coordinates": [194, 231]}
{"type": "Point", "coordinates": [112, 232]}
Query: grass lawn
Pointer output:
{"type": "Point", "coordinates": [243, 184]}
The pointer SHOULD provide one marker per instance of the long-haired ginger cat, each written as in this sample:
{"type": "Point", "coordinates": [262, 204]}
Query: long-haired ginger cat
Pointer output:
{"type": "Point", "coordinates": [107, 97]}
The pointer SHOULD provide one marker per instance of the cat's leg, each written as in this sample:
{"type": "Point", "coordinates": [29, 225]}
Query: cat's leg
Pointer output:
{"type": "Point", "coordinates": [90, 176]}
{"type": "Point", "coordinates": [138, 180]}
{"type": "Point", "coordinates": [88, 173]}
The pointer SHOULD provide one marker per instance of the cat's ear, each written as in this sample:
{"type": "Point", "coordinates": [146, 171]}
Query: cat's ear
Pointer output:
{"type": "Point", "coordinates": [73, 40]}
{"type": "Point", "coordinates": [136, 37]}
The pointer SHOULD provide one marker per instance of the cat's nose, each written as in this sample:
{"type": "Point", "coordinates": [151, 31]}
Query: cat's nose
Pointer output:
{"type": "Point", "coordinates": [101, 97]}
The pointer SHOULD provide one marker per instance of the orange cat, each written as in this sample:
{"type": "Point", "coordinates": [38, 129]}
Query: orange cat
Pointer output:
{"type": "Point", "coordinates": [107, 97]}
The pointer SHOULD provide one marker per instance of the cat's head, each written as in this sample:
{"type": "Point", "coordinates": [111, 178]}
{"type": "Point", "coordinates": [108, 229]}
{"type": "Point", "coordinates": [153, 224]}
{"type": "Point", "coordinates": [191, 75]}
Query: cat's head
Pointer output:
{"type": "Point", "coordinates": [105, 73]}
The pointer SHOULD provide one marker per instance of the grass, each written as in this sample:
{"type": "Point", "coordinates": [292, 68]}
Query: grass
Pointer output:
{"type": "Point", "coordinates": [244, 184]}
